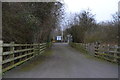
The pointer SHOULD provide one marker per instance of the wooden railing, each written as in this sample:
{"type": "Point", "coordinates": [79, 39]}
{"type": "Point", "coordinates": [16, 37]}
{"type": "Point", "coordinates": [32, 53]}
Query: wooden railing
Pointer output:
{"type": "Point", "coordinates": [107, 52]}
{"type": "Point", "coordinates": [15, 54]}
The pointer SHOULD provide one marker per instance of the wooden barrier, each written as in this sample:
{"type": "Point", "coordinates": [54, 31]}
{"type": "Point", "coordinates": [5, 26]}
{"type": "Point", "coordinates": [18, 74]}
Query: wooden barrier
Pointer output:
{"type": "Point", "coordinates": [1, 50]}
{"type": "Point", "coordinates": [107, 52]}
{"type": "Point", "coordinates": [15, 54]}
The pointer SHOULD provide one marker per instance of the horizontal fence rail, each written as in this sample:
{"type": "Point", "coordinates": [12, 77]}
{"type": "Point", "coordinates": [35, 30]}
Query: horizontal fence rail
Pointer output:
{"type": "Point", "coordinates": [15, 54]}
{"type": "Point", "coordinates": [107, 52]}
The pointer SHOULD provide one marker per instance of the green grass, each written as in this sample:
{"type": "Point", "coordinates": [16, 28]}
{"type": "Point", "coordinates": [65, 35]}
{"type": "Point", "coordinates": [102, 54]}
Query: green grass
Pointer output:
{"type": "Point", "coordinates": [86, 53]}
{"type": "Point", "coordinates": [79, 48]}
{"type": "Point", "coordinates": [35, 61]}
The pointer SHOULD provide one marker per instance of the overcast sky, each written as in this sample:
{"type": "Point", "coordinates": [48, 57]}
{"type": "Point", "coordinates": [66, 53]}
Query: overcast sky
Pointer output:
{"type": "Point", "coordinates": [102, 8]}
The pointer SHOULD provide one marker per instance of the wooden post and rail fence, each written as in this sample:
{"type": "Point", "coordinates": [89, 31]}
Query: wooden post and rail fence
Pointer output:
{"type": "Point", "coordinates": [107, 52]}
{"type": "Point", "coordinates": [12, 54]}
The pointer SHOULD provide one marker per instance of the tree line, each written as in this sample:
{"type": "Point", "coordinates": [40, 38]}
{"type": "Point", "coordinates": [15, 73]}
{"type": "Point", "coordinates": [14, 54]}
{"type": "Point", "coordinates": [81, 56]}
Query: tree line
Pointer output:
{"type": "Point", "coordinates": [85, 29]}
{"type": "Point", "coordinates": [31, 22]}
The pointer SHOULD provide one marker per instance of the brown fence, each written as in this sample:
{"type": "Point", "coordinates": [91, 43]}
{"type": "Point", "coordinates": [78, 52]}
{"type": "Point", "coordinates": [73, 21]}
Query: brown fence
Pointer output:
{"type": "Point", "coordinates": [15, 54]}
{"type": "Point", "coordinates": [107, 52]}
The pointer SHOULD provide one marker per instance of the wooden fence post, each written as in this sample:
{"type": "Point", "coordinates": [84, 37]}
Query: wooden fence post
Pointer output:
{"type": "Point", "coordinates": [34, 46]}
{"type": "Point", "coordinates": [118, 55]}
{"type": "Point", "coordinates": [1, 51]}
{"type": "Point", "coordinates": [39, 49]}
{"type": "Point", "coordinates": [96, 49]}
{"type": "Point", "coordinates": [108, 47]}
{"type": "Point", "coordinates": [12, 51]}
{"type": "Point", "coordinates": [115, 54]}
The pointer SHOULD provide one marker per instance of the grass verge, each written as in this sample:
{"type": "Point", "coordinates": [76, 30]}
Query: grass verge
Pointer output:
{"type": "Point", "coordinates": [82, 49]}
{"type": "Point", "coordinates": [31, 64]}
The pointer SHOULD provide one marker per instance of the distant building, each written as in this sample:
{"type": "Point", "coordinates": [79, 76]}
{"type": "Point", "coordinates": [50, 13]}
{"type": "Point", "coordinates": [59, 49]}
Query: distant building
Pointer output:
{"type": "Point", "coordinates": [58, 38]}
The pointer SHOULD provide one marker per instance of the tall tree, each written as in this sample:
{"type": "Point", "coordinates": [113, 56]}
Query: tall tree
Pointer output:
{"type": "Point", "coordinates": [30, 22]}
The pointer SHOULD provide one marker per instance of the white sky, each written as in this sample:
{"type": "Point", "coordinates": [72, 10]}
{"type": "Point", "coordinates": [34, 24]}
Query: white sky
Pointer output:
{"type": "Point", "coordinates": [102, 8]}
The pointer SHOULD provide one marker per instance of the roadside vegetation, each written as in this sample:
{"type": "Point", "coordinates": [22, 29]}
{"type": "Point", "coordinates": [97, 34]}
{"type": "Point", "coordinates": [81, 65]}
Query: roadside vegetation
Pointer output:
{"type": "Point", "coordinates": [85, 29]}
{"type": "Point", "coordinates": [79, 47]}
{"type": "Point", "coordinates": [31, 22]}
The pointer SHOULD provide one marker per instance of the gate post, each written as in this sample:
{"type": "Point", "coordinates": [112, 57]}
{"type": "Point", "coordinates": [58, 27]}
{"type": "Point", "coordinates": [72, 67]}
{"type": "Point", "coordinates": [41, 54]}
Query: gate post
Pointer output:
{"type": "Point", "coordinates": [12, 50]}
{"type": "Point", "coordinates": [1, 51]}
